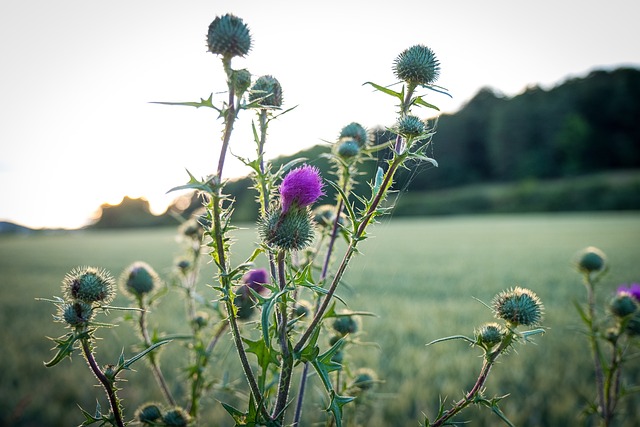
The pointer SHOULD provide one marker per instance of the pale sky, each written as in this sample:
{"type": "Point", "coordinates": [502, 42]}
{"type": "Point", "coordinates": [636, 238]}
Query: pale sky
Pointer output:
{"type": "Point", "coordinates": [78, 76]}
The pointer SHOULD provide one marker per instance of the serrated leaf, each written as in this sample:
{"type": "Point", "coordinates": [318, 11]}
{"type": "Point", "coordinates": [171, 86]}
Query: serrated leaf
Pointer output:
{"type": "Point", "coordinates": [197, 104]}
{"type": "Point", "coordinates": [193, 184]}
{"type": "Point", "coordinates": [127, 363]}
{"type": "Point", "coordinates": [65, 347]}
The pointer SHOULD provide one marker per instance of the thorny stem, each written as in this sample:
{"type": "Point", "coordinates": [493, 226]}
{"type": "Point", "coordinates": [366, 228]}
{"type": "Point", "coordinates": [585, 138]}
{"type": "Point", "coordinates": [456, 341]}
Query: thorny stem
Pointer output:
{"type": "Point", "coordinates": [487, 364]}
{"type": "Point", "coordinates": [351, 249]}
{"type": "Point", "coordinates": [225, 281]}
{"type": "Point", "coordinates": [323, 275]}
{"type": "Point", "coordinates": [287, 358]}
{"type": "Point", "coordinates": [595, 348]}
{"type": "Point", "coordinates": [104, 381]}
{"type": "Point", "coordinates": [155, 368]}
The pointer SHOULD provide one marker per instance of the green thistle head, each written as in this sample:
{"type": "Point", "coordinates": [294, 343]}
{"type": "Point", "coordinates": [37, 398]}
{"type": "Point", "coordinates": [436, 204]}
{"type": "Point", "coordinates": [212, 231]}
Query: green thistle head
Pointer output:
{"type": "Point", "coordinates": [77, 314]}
{"type": "Point", "coordinates": [89, 284]}
{"type": "Point", "coordinates": [267, 92]}
{"type": "Point", "coordinates": [139, 279]}
{"type": "Point", "coordinates": [518, 306]}
{"type": "Point", "coordinates": [228, 36]}
{"type": "Point", "coordinates": [345, 325]}
{"type": "Point", "coordinates": [348, 148]}
{"type": "Point", "coordinates": [290, 230]}
{"type": "Point", "coordinates": [365, 379]}
{"type": "Point", "coordinates": [176, 417]}
{"type": "Point", "coordinates": [148, 413]}
{"type": "Point", "coordinates": [623, 304]}
{"type": "Point", "coordinates": [417, 66]}
{"type": "Point", "coordinates": [241, 81]}
{"type": "Point", "coordinates": [591, 259]}
{"type": "Point", "coordinates": [356, 132]}
{"type": "Point", "coordinates": [410, 126]}
{"type": "Point", "coordinates": [490, 334]}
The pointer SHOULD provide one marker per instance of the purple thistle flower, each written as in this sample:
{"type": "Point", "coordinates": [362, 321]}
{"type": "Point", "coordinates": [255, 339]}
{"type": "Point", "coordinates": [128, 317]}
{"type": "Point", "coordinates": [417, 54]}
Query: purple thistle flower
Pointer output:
{"type": "Point", "coordinates": [255, 279]}
{"type": "Point", "coordinates": [632, 289]}
{"type": "Point", "coordinates": [301, 187]}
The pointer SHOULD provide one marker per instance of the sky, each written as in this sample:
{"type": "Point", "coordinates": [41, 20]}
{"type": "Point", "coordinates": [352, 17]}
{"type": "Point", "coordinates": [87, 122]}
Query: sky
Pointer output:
{"type": "Point", "coordinates": [78, 79]}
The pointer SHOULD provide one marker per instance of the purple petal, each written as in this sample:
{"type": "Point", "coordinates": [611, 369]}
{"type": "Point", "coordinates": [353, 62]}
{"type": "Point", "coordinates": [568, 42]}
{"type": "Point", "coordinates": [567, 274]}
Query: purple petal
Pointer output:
{"type": "Point", "coordinates": [301, 187]}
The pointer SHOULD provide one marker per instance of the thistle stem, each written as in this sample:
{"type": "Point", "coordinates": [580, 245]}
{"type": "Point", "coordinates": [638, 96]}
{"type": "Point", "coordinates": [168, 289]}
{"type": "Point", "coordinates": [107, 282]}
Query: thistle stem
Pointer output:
{"type": "Point", "coordinates": [155, 368]}
{"type": "Point", "coordinates": [351, 249]}
{"type": "Point", "coordinates": [286, 366]}
{"type": "Point", "coordinates": [595, 348]}
{"type": "Point", "coordinates": [108, 386]}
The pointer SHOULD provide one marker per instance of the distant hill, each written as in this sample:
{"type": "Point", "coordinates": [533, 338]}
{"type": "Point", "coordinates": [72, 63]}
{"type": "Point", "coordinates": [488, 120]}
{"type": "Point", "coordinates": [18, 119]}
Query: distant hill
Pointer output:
{"type": "Point", "coordinates": [11, 228]}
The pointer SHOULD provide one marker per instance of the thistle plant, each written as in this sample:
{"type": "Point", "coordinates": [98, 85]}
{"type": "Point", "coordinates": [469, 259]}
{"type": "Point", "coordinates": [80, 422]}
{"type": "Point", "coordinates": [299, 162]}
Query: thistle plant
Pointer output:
{"type": "Point", "coordinates": [514, 308]}
{"type": "Point", "coordinates": [612, 334]}
{"type": "Point", "coordinates": [280, 306]}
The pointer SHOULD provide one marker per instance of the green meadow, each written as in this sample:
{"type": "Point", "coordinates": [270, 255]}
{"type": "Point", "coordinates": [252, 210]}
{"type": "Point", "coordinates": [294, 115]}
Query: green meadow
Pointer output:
{"type": "Point", "coordinates": [423, 278]}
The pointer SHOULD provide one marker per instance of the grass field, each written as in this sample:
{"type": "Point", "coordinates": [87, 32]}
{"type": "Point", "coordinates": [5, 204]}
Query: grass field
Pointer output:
{"type": "Point", "coordinates": [421, 277]}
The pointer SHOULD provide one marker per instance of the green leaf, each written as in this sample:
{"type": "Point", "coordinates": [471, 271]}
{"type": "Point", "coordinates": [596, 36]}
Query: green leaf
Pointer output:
{"type": "Point", "coordinates": [386, 90]}
{"type": "Point", "coordinates": [348, 207]}
{"type": "Point", "coordinates": [419, 101]}
{"type": "Point", "coordinates": [125, 364]}
{"type": "Point", "coordinates": [65, 347]}
{"type": "Point", "coordinates": [265, 354]}
{"type": "Point", "coordinates": [193, 184]}
{"type": "Point", "coordinates": [202, 103]}
{"type": "Point", "coordinates": [453, 337]}
{"type": "Point", "coordinates": [426, 159]}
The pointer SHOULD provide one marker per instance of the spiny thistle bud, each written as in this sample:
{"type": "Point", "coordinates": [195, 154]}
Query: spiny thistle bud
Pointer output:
{"type": "Point", "coordinates": [417, 65]}
{"type": "Point", "coordinates": [591, 259]}
{"type": "Point", "coordinates": [200, 320]}
{"type": "Point", "coordinates": [410, 126]}
{"type": "Point", "coordinates": [490, 334]}
{"type": "Point", "coordinates": [148, 413]}
{"type": "Point", "coordinates": [241, 81]}
{"type": "Point", "coordinates": [292, 230]}
{"type": "Point", "coordinates": [76, 314]}
{"type": "Point", "coordinates": [518, 306]}
{"type": "Point", "coordinates": [301, 187]}
{"type": "Point", "coordinates": [325, 216]}
{"type": "Point", "coordinates": [633, 326]}
{"type": "Point", "coordinates": [623, 304]}
{"type": "Point", "coordinates": [139, 279]}
{"type": "Point", "coordinates": [365, 379]}
{"type": "Point", "coordinates": [89, 284]}
{"type": "Point", "coordinates": [256, 279]}
{"type": "Point", "coordinates": [267, 92]}
{"type": "Point", "coordinates": [303, 309]}
{"type": "Point", "coordinates": [348, 148]}
{"type": "Point", "coordinates": [176, 417]}
{"type": "Point", "coordinates": [228, 36]}
{"type": "Point", "coordinates": [345, 325]}
{"type": "Point", "coordinates": [355, 131]}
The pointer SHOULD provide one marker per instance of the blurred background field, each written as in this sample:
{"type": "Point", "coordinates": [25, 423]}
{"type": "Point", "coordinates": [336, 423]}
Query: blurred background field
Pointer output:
{"type": "Point", "coordinates": [421, 277]}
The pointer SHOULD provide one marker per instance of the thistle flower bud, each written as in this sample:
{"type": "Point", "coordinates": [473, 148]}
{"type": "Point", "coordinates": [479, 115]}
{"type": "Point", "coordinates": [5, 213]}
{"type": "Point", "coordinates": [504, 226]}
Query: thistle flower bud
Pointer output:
{"type": "Point", "coordinates": [623, 304]}
{"type": "Point", "coordinates": [348, 148]}
{"type": "Point", "coordinates": [355, 131]}
{"type": "Point", "coordinates": [148, 413]}
{"type": "Point", "coordinates": [490, 334]}
{"type": "Point", "coordinates": [256, 279]}
{"type": "Point", "coordinates": [410, 126]}
{"type": "Point", "coordinates": [228, 36]}
{"type": "Point", "coordinates": [518, 306]}
{"type": "Point", "coordinates": [365, 379]}
{"type": "Point", "coordinates": [89, 284]}
{"type": "Point", "coordinates": [176, 417]}
{"type": "Point", "coordinates": [292, 230]}
{"type": "Point", "coordinates": [591, 259]}
{"type": "Point", "coordinates": [303, 309]}
{"type": "Point", "coordinates": [345, 325]}
{"type": "Point", "coordinates": [245, 303]}
{"type": "Point", "coordinates": [200, 320]}
{"type": "Point", "coordinates": [325, 216]}
{"type": "Point", "coordinates": [77, 314]}
{"type": "Point", "coordinates": [417, 66]}
{"type": "Point", "coordinates": [139, 279]}
{"type": "Point", "coordinates": [267, 92]}
{"type": "Point", "coordinates": [301, 187]}
{"type": "Point", "coordinates": [241, 81]}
